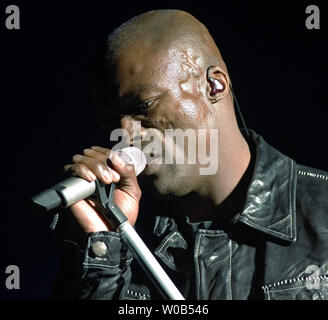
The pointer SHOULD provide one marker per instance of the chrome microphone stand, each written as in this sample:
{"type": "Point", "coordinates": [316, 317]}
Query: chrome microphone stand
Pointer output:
{"type": "Point", "coordinates": [116, 218]}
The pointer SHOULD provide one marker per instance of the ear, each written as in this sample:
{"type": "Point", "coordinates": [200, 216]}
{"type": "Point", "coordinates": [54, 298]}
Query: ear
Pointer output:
{"type": "Point", "coordinates": [218, 85]}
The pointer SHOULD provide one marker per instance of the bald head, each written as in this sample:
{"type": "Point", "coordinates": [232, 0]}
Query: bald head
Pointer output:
{"type": "Point", "coordinates": [162, 30]}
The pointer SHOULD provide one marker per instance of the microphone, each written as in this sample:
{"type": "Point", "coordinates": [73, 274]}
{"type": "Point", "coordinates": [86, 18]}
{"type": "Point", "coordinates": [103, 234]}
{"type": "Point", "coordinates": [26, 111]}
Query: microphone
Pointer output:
{"type": "Point", "coordinates": [74, 189]}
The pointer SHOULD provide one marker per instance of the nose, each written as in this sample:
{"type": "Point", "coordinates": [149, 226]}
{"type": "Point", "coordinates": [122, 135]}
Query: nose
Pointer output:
{"type": "Point", "coordinates": [133, 129]}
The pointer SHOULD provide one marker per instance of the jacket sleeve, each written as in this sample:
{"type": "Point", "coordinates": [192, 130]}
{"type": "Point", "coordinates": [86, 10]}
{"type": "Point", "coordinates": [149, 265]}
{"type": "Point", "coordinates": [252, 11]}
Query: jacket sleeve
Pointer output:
{"type": "Point", "coordinates": [93, 266]}
{"type": "Point", "coordinates": [106, 277]}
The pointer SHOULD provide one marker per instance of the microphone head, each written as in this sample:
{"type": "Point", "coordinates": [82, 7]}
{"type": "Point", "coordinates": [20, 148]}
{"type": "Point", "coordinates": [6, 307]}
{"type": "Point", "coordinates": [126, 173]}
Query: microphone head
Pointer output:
{"type": "Point", "coordinates": [134, 156]}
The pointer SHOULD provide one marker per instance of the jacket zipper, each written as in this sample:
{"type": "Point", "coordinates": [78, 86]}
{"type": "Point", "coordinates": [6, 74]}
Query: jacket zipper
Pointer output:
{"type": "Point", "coordinates": [301, 279]}
{"type": "Point", "coordinates": [314, 175]}
{"type": "Point", "coordinates": [197, 271]}
{"type": "Point", "coordinates": [143, 296]}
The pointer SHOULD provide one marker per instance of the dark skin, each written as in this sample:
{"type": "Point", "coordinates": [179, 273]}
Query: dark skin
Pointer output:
{"type": "Point", "coordinates": [175, 84]}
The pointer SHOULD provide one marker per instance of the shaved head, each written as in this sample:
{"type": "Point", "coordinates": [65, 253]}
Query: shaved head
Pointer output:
{"type": "Point", "coordinates": [162, 30]}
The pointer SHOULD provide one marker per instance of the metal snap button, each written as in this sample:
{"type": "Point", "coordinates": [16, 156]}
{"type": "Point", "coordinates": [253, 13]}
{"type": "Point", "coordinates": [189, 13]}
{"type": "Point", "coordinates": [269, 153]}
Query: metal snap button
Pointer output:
{"type": "Point", "coordinates": [99, 248]}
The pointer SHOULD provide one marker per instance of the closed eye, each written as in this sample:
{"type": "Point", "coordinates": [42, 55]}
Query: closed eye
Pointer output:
{"type": "Point", "coordinates": [143, 108]}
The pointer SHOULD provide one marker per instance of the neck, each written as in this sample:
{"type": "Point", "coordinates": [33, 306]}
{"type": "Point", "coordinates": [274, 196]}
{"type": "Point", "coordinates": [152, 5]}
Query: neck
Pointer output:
{"type": "Point", "coordinates": [223, 195]}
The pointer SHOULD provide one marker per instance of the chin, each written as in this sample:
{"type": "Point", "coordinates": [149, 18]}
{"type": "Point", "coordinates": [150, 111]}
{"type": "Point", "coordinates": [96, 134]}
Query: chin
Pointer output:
{"type": "Point", "coordinates": [163, 186]}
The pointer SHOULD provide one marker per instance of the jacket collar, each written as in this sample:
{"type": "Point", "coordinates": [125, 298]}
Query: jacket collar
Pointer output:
{"type": "Point", "coordinates": [271, 197]}
{"type": "Point", "coordinates": [270, 204]}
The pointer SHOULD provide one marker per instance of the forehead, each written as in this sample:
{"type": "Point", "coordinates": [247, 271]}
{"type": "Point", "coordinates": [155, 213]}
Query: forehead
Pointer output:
{"type": "Point", "coordinates": [141, 68]}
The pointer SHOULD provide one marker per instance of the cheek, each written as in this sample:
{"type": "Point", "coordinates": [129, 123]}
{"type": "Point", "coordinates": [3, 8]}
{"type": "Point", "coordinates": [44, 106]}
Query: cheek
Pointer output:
{"type": "Point", "coordinates": [182, 113]}
{"type": "Point", "coordinates": [192, 112]}
{"type": "Point", "coordinates": [189, 109]}
{"type": "Point", "coordinates": [187, 113]}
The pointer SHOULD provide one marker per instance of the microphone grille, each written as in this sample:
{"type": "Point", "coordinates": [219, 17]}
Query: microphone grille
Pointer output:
{"type": "Point", "coordinates": [134, 156]}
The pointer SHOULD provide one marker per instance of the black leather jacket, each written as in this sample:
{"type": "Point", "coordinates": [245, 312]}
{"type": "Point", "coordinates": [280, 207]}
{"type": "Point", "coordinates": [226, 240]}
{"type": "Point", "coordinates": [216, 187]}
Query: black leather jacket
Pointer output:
{"type": "Point", "coordinates": [276, 248]}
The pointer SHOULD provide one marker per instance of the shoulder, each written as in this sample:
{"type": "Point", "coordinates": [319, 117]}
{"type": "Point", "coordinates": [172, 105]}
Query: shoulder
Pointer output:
{"type": "Point", "coordinates": [312, 173]}
{"type": "Point", "coordinates": [312, 196]}
{"type": "Point", "coordinates": [312, 181]}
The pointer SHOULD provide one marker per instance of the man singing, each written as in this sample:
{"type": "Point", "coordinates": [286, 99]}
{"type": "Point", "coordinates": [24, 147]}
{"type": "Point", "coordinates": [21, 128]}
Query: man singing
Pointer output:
{"type": "Point", "coordinates": [254, 227]}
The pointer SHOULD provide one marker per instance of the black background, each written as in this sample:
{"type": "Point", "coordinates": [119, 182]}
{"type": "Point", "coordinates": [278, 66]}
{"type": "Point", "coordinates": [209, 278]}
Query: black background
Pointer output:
{"type": "Point", "coordinates": [278, 68]}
